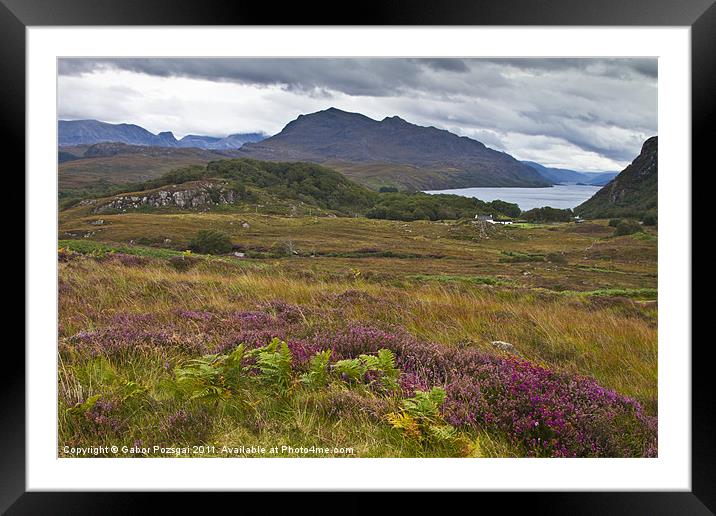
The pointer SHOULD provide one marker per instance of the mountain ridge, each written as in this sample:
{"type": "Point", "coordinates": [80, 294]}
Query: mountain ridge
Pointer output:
{"type": "Point", "coordinates": [563, 175]}
{"type": "Point", "coordinates": [351, 140]}
{"type": "Point", "coordinates": [89, 132]}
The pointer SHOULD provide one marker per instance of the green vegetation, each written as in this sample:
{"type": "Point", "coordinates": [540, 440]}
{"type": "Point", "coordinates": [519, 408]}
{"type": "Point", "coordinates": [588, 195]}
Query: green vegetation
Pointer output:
{"type": "Point", "coordinates": [422, 206]}
{"type": "Point", "coordinates": [547, 214]}
{"type": "Point", "coordinates": [354, 335]}
{"type": "Point", "coordinates": [649, 219]}
{"type": "Point", "coordinates": [627, 227]}
{"type": "Point", "coordinates": [209, 241]}
{"type": "Point", "coordinates": [317, 188]}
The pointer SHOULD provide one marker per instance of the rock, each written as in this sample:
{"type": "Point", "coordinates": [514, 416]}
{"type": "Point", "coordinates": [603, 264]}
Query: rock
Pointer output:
{"type": "Point", "coordinates": [504, 346]}
{"type": "Point", "coordinates": [239, 255]}
{"type": "Point", "coordinates": [97, 222]}
{"type": "Point", "coordinates": [245, 225]}
{"type": "Point", "coordinates": [198, 195]}
{"type": "Point", "coordinates": [167, 240]}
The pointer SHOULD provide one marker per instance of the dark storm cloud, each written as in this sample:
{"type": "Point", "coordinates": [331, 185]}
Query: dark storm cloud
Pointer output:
{"type": "Point", "coordinates": [446, 64]}
{"type": "Point", "coordinates": [365, 77]}
{"type": "Point", "coordinates": [601, 106]}
{"type": "Point", "coordinates": [618, 68]}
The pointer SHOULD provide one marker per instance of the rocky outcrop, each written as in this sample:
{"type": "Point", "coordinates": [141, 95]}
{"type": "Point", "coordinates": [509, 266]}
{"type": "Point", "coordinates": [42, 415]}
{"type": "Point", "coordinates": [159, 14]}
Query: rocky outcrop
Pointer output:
{"type": "Point", "coordinates": [194, 195]}
{"type": "Point", "coordinates": [633, 193]}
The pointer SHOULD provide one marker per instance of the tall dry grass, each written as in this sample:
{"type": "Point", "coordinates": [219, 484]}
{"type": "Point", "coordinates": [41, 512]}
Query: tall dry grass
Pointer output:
{"type": "Point", "coordinates": [613, 341]}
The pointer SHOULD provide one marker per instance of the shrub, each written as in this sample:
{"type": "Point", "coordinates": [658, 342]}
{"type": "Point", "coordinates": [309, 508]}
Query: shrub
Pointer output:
{"type": "Point", "coordinates": [614, 222]}
{"type": "Point", "coordinates": [209, 241]}
{"type": "Point", "coordinates": [549, 413]}
{"type": "Point", "coordinates": [649, 220]}
{"type": "Point", "coordinates": [627, 227]}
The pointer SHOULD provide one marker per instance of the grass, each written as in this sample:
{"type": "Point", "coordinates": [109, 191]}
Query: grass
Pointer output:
{"type": "Point", "coordinates": [439, 282]}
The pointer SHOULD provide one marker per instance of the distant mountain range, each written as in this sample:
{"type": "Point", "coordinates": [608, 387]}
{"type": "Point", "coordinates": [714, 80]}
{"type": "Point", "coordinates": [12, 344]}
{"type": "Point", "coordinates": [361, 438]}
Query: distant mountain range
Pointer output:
{"type": "Point", "coordinates": [633, 193]}
{"type": "Point", "coordinates": [392, 152]}
{"type": "Point", "coordinates": [88, 132]}
{"type": "Point", "coordinates": [375, 153]}
{"type": "Point", "coordinates": [562, 175]}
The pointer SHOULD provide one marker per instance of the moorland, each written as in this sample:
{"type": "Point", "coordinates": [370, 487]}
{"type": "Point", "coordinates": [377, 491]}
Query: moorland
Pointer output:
{"type": "Point", "coordinates": [250, 303]}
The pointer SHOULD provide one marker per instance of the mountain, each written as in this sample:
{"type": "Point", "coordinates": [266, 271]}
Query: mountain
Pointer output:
{"type": "Point", "coordinates": [602, 178]}
{"type": "Point", "coordinates": [88, 132]}
{"type": "Point", "coordinates": [200, 142]}
{"type": "Point", "coordinates": [562, 175]}
{"type": "Point", "coordinates": [79, 132]}
{"type": "Point", "coordinates": [233, 141]}
{"type": "Point", "coordinates": [633, 193]}
{"type": "Point", "coordinates": [392, 152]}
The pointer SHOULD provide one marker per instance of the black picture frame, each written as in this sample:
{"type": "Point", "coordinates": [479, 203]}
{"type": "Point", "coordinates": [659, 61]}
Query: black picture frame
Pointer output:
{"type": "Point", "coordinates": [700, 15]}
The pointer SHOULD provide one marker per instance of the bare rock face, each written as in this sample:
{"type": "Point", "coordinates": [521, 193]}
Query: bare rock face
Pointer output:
{"type": "Point", "coordinates": [192, 195]}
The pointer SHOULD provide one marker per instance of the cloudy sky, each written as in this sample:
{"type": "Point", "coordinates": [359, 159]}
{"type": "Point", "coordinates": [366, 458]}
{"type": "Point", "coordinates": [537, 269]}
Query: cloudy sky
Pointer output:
{"type": "Point", "coordinates": [583, 114]}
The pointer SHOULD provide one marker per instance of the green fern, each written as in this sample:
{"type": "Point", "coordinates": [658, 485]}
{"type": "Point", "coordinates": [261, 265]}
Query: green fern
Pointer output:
{"type": "Point", "coordinates": [383, 363]}
{"type": "Point", "coordinates": [233, 371]}
{"type": "Point", "coordinates": [425, 406]}
{"type": "Point", "coordinates": [131, 390]}
{"type": "Point", "coordinates": [317, 375]}
{"type": "Point", "coordinates": [211, 378]}
{"type": "Point", "coordinates": [420, 417]}
{"type": "Point", "coordinates": [352, 368]}
{"type": "Point", "coordinates": [274, 364]}
{"type": "Point", "coordinates": [85, 406]}
{"type": "Point", "coordinates": [389, 371]}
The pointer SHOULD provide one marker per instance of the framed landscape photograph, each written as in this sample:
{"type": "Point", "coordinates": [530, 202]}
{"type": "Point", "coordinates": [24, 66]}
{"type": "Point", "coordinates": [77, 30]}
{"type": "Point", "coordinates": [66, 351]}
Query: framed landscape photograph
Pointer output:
{"type": "Point", "coordinates": [408, 257]}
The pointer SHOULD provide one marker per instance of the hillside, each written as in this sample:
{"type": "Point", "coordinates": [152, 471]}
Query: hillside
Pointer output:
{"type": "Point", "coordinates": [361, 147]}
{"type": "Point", "coordinates": [562, 175]}
{"type": "Point", "coordinates": [98, 169]}
{"type": "Point", "coordinates": [633, 193]}
{"type": "Point", "coordinates": [289, 188]}
{"type": "Point", "coordinates": [88, 132]}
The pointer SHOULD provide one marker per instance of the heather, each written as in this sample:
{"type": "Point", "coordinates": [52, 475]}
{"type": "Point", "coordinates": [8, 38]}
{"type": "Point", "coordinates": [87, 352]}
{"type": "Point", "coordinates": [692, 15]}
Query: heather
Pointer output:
{"type": "Point", "coordinates": [366, 338]}
{"type": "Point", "coordinates": [535, 410]}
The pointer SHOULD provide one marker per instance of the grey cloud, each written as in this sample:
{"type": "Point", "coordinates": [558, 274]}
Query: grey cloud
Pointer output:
{"type": "Point", "coordinates": [445, 64]}
{"type": "Point", "coordinates": [617, 67]}
{"type": "Point", "coordinates": [596, 105]}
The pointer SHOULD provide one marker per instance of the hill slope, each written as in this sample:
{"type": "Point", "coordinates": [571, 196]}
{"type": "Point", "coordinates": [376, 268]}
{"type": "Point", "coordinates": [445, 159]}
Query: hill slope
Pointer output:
{"type": "Point", "coordinates": [426, 157]}
{"type": "Point", "coordinates": [98, 167]}
{"type": "Point", "coordinates": [288, 188]}
{"type": "Point", "coordinates": [633, 193]}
